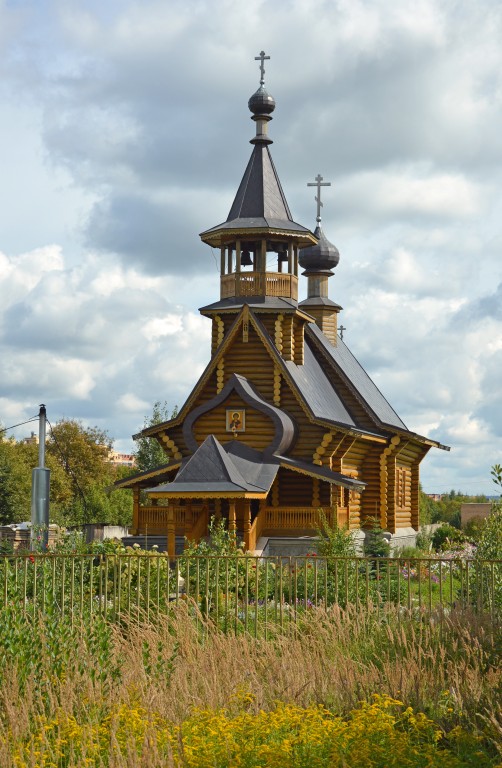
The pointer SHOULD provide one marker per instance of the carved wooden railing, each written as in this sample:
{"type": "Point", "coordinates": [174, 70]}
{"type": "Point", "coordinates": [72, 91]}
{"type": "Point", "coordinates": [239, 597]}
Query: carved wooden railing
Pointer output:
{"type": "Point", "coordinates": [293, 518]}
{"type": "Point", "coordinates": [255, 531]}
{"type": "Point", "coordinates": [297, 518]}
{"type": "Point", "coordinates": [153, 520]}
{"type": "Point", "coordinates": [259, 284]}
{"type": "Point", "coordinates": [200, 524]}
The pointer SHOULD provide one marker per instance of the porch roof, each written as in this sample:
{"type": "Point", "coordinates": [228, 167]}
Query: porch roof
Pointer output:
{"type": "Point", "coordinates": [235, 469]}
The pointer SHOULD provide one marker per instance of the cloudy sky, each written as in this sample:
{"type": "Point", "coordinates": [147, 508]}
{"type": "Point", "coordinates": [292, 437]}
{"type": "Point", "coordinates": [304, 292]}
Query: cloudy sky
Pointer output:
{"type": "Point", "coordinates": [124, 133]}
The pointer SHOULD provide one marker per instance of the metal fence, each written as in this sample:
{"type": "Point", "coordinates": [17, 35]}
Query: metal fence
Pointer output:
{"type": "Point", "coordinates": [242, 593]}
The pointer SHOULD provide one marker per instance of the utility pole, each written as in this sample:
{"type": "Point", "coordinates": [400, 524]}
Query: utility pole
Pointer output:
{"type": "Point", "coordinates": [40, 485]}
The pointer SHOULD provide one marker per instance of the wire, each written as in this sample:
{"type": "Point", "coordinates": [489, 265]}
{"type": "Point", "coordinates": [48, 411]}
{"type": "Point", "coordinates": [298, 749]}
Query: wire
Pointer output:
{"type": "Point", "coordinates": [215, 260]}
{"type": "Point", "coordinates": [69, 470]}
{"type": "Point", "coordinates": [6, 429]}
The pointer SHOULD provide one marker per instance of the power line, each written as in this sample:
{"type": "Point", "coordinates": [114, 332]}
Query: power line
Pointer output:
{"type": "Point", "coordinates": [6, 429]}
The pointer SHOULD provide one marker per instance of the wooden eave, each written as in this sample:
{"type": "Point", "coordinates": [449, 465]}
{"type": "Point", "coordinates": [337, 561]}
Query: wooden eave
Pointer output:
{"type": "Point", "coordinates": [142, 479]}
{"type": "Point", "coordinates": [259, 311]}
{"type": "Point", "coordinates": [312, 473]}
{"type": "Point", "coordinates": [207, 495]}
{"type": "Point", "coordinates": [218, 237]}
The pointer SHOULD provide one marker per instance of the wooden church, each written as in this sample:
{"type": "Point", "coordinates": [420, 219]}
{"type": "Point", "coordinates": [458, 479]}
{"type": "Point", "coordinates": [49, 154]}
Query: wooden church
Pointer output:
{"type": "Point", "coordinates": [284, 422]}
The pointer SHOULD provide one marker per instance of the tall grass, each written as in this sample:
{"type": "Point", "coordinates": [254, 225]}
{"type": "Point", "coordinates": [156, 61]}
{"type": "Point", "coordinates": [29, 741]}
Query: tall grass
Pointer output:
{"type": "Point", "coordinates": [447, 667]}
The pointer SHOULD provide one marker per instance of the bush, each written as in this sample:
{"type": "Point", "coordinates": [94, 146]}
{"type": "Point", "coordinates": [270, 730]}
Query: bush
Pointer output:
{"type": "Point", "coordinates": [447, 536]}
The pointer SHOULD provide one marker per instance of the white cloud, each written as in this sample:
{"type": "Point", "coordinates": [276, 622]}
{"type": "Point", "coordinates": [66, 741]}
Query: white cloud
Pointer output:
{"type": "Point", "coordinates": [124, 134]}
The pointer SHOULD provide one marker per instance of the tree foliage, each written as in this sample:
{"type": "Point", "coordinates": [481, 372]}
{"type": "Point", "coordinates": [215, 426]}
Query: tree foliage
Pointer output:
{"type": "Point", "coordinates": [149, 453]}
{"type": "Point", "coordinates": [81, 477]}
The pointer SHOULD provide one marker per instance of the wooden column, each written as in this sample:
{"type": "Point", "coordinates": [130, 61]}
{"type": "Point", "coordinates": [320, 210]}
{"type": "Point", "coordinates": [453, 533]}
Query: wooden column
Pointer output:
{"type": "Point", "coordinates": [171, 533]}
{"type": "Point", "coordinates": [188, 519]}
{"type": "Point", "coordinates": [415, 495]}
{"type": "Point", "coordinates": [290, 258]}
{"type": "Point", "coordinates": [135, 511]}
{"type": "Point", "coordinates": [237, 255]}
{"type": "Point", "coordinates": [247, 525]}
{"type": "Point", "coordinates": [229, 260]}
{"type": "Point", "coordinates": [222, 251]}
{"type": "Point", "coordinates": [232, 521]}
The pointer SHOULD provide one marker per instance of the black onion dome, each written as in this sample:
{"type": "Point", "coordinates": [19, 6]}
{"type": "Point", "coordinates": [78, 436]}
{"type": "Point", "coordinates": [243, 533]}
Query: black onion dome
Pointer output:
{"type": "Point", "coordinates": [321, 257]}
{"type": "Point", "coordinates": [261, 102]}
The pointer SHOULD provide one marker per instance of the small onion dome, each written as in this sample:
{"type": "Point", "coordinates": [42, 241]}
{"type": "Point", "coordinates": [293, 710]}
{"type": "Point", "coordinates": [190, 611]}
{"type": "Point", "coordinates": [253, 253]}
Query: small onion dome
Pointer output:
{"type": "Point", "coordinates": [322, 257]}
{"type": "Point", "coordinates": [261, 102]}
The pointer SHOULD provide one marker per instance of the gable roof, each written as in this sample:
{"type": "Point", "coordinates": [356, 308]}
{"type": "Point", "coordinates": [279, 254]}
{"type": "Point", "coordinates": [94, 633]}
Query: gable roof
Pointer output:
{"type": "Point", "coordinates": [323, 406]}
{"type": "Point", "coordinates": [318, 390]}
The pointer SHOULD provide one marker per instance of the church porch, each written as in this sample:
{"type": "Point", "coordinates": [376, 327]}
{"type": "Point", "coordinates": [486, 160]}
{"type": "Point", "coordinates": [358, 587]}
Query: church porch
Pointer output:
{"type": "Point", "coordinates": [247, 519]}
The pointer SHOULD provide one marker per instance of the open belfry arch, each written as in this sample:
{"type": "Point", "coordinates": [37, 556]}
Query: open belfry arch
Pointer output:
{"type": "Point", "coordinates": [284, 425]}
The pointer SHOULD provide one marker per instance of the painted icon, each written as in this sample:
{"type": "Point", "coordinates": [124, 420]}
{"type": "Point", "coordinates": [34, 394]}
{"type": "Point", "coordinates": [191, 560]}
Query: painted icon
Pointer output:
{"type": "Point", "coordinates": [236, 420]}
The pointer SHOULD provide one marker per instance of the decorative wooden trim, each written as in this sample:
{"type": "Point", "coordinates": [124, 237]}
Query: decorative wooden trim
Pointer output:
{"type": "Point", "coordinates": [384, 477]}
{"type": "Point", "coordinates": [278, 333]}
{"type": "Point", "coordinates": [221, 329]}
{"type": "Point", "coordinates": [316, 499]}
{"type": "Point", "coordinates": [245, 324]}
{"type": "Point", "coordinates": [220, 375]}
{"type": "Point", "coordinates": [321, 449]}
{"type": "Point", "coordinates": [275, 492]}
{"type": "Point", "coordinates": [172, 447]}
{"type": "Point", "coordinates": [277, 386]}
{"type": "Point", "coordinates": [206, 495]}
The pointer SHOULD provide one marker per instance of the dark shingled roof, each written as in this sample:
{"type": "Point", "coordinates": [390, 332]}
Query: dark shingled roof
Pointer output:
{"type": "Point", "coordinates": [357, 377]}
{"type": "Point", "coordinates": [212, 469]}
{"type": "Point", "coordinates": [258, 302]}
{"type": "Point", "coordinates": [318, 391]}
{"type": "Point", "coordinates": [323, 473]}
{"type": "Point", "coordinates": [260, 193]}
{"type": "Point", "coordinates": [260, 201]}
{"type": "Point", "coordinates": [237, 468]}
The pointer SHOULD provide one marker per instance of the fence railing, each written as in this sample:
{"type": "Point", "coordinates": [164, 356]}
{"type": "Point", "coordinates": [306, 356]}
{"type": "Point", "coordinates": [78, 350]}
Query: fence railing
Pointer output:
{"type": "Point", "coordinates": [243, 592]}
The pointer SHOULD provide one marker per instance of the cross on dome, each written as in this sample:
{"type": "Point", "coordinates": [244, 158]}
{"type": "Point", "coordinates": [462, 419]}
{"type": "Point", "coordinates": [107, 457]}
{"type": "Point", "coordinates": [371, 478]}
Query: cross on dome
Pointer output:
{"type": "Point", "coordinates": [319, 183]}
{"type": "Point", "coordinates": [262, 58]}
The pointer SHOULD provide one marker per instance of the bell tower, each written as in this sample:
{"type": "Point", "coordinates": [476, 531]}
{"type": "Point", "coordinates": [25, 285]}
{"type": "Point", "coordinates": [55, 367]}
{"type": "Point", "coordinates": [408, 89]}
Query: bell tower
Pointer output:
{"type": "Point", "coordinates": [259, 242]}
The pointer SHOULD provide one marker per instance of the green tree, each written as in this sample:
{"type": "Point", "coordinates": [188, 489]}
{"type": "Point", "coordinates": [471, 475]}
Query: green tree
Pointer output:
{"type": "Point", "coordinates": [81, 485]}
{"type": "Point", "coordinates": [149, 453]}
{"type": "Point", "coordinates": [85, 493]}
{"type": "Point", "coordinates": [487, 583]}
{"type": "Point", "coordinates": [375, 543]}
{"type": "Point", "coordinates": [428, 509]}
{"type": "Point", "coordinates": [16, 463]}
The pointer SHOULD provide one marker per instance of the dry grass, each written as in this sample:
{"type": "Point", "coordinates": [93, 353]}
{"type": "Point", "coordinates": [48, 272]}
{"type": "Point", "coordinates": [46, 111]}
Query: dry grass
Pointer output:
{"type": "Point", "coordinates": [450, 670]}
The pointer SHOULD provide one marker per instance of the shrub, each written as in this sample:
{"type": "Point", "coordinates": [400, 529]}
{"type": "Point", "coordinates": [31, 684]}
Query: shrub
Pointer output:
{"type": "Point", "coordinates": [447, 536]}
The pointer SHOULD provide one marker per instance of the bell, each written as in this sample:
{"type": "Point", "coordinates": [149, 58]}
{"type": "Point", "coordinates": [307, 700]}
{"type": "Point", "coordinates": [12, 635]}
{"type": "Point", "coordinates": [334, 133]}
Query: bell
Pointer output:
{"type": "Point", "coordinates": [246, 260]}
